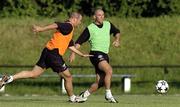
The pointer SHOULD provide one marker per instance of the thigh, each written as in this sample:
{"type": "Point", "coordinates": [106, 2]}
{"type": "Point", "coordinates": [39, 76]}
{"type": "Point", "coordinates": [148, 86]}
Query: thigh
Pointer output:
{"type": "Point", "coordinates": [98, 57]}
{"type": "Point", "coordinates": [104, 66]}
{"type": "Point", "coordinates": [42, 60]}
{"type": "Point", "coordinates": [37, 70]}
{"type": "Point", "coordinates": [56, 62]}
{"type": "Point", "coordinates": [100, 62]}
{"type": "Point", "coordinates": [65, 73]}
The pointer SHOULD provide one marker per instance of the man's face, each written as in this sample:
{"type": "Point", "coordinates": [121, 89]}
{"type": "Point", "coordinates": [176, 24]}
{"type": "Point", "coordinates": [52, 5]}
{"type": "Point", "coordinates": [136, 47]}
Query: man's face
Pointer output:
{"type": "Point", "coordinates": [99, 16]}
{"type": "Point", "coordinates": [78, 21]}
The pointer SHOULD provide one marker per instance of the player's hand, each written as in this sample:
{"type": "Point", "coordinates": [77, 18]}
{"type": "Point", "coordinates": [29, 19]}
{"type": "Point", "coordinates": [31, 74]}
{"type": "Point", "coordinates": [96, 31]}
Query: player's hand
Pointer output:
{"type": "Point", "coordinates": [72, 57]}
{"type": "Point", "coordinates": [36, 28]}
{"type": "Point", "coordinates": [116, 43]}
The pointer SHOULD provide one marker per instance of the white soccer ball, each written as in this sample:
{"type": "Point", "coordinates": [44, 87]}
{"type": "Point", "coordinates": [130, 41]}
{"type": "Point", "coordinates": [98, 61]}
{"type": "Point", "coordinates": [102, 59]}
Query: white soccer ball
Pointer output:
{"type": "Point", "coordinates": [162, 86]}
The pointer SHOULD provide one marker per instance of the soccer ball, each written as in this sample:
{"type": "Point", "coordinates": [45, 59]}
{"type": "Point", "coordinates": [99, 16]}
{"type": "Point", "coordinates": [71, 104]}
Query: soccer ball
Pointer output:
{"type": "Point", "coordinates": [162, 86]}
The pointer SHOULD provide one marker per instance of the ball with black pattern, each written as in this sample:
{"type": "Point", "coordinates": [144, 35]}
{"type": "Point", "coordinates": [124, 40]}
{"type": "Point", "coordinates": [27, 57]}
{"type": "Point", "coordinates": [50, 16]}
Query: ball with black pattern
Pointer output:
{"type": "Point", "coordinates": [162, 86]}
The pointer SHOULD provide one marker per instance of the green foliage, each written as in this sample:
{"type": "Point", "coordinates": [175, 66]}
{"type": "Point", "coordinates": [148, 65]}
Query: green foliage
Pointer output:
{"type": "Point", "coordinates": [175, 8]}
{"type": "Point", "coordinates": [49, 7]}
{"type": "Point", "coordinates": [121, 8]}
{"type": "Point", "coordinates": [19, 8]}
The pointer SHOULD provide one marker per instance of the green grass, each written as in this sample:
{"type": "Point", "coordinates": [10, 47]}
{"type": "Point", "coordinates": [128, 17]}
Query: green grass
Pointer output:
{"type": "Point", "coordinates": [143, 83]}
{"type": "Point", "coordinates": [144, 41]}
{"type": "Point", "coordinates": [52, 86]}
{"type": "Point", "coordinates": [93, 101]}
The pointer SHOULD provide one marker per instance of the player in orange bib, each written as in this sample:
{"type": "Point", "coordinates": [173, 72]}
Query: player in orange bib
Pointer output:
{"type": "Point", "coordinates": [51, 56]}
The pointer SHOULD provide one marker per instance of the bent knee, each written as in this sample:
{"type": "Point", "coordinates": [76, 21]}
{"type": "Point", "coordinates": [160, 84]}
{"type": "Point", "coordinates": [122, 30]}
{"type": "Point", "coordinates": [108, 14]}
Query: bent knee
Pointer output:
{"type": "Point", "coordinates": [109, 72]}
{"type": "Point", "coordinates": [68, 78]}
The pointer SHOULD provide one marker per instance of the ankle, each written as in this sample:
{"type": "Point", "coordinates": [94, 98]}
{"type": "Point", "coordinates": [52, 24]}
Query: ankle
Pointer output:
{"type": "Point", "coordinates": [108, 93]}
{"type": "Point", "coordinates": [72, 98]}
{"type": "Point", "coordinates": [87, 93]}
{"type": "Point", "coordinates": [10, 79]}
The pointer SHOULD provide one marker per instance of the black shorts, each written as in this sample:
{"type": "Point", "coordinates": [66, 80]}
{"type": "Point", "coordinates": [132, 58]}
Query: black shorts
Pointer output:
{"type": "Point", "coordinates": [98, 57]}
{"type": "Point", "coordinates": [52, 59]}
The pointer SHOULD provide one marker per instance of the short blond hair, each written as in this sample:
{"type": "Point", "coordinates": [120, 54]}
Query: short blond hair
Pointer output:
{"type": "Point", "coordinates": [75, 15]}
{"type": "Point", "coordinates": [97, 10]}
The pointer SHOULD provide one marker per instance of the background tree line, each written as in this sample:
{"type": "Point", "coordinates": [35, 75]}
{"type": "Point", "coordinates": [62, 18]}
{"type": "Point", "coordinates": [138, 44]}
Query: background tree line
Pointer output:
{"type": "Point", "coordinates": [119, 8]}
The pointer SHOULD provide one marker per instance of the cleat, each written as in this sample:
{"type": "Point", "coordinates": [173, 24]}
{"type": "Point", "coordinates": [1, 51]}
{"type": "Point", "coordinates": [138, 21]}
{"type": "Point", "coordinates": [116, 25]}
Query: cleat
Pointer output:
{"type": "Point", "coordinates": [72, 101]}
{"type": "Point", "coordinates": [3, 81]}
{"type": "Point", "coordinates": [81, 98]}
{"type": "Point", "coordinates": [111, 99]}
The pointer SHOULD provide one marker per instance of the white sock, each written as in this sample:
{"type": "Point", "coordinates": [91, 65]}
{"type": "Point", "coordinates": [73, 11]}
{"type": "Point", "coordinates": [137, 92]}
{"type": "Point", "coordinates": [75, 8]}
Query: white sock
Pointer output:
{"type": "Point", "coordinates": [108, 93]}
{"type": "Point", "coordinates": [72, 98]}
{"type": "Point", "coordinates": [87, 93]}
{"type": "Point", "coordinates": [9, 80]}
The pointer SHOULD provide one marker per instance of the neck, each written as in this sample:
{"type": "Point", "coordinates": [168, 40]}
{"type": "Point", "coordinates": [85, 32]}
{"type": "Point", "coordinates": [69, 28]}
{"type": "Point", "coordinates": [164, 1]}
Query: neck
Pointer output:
{"type": "Point", "coordinates": [70, 21]}
{"type": "Point", "coordinates": [98, 23]}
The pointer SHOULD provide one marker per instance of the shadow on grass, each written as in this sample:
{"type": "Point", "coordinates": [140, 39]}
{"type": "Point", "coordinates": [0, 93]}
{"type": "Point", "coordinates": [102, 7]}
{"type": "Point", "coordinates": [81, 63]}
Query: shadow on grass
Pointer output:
{"type": "Point", "coordinates": [55, 85]}
{"type": "Point", "coordinates": [175, 84]}
{"type": "Point", "coordinates": [48, 83]}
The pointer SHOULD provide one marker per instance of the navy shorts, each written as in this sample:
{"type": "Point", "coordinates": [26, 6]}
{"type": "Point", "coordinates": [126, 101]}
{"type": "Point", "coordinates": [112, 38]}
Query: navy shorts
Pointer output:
{"type": "Point", "coordinates": [52, 59]}
{"type": "Point", "coordinates": [98, 57]}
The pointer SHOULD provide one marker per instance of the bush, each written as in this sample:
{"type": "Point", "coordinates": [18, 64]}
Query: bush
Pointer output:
{"type": "Point", "coordinates": [121, 8]}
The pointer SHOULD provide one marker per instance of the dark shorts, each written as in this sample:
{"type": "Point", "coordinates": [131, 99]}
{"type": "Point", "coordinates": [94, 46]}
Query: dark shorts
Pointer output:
{"type": "Point", "coordinates": [98, 57]}
{"type": "Point", "coordinates": [52, 59]}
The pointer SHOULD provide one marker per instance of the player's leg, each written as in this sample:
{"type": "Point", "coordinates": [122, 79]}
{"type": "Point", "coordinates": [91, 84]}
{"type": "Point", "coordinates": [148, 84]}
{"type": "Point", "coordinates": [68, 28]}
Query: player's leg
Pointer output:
{"type": "Point", "coordinates": [94, 87]}
{"type": "Point", "coordinates": [99, 78]}
{"type": "Point", "coordinates": [104, 66]}
{"type": "Point", "coordinates": [97, 84]}
{"type": "Point", "coordinates": [56, 62]}
{"type": "Point", "coordinates": [35, 72]}
{"type": "Point", "coordinates": [68, 81]}
{"type": "Point", "coordinates": [94, 60]}
{"type": "Point", "coordinates": [68, 84]}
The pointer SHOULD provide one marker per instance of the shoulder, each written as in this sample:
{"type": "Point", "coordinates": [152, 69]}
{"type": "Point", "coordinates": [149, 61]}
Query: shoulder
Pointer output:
{"type": "Point", "coordinates": [106, 21]}
{"type": "Point", "coordinates": [92, 24]}
{"type": "Point", "coordinates": [64, 24]}
{"type": "Point", "coordinates": [64, 27]}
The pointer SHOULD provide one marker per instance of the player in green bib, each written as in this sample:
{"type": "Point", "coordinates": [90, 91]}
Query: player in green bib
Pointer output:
{"type": "Point", "coordinates": [98, 35]}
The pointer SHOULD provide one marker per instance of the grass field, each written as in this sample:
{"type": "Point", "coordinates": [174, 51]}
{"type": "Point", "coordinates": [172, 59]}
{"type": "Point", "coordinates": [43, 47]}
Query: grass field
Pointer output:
{"type": "Point", "coordinates": [93, 101]}
{"type": "Point", "coordinates": [144, 41]}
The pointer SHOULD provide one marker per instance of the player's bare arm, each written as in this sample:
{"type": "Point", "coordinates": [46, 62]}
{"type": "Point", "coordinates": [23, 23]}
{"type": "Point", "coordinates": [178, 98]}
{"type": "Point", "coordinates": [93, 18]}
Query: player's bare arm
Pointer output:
{"type": "Point", "coordinates": [72, 55]}
{"type": "Point", "coordinates": [36, 28]}
{"type": "Point", "coordinates": [72, 48]}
